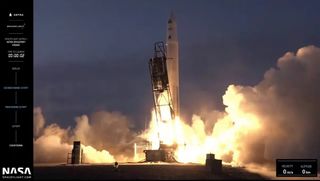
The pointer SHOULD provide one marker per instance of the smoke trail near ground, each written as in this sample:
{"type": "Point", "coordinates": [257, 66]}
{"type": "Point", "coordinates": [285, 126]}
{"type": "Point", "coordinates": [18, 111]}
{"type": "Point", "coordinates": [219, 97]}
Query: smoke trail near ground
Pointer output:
{"type": "Point", "coordinates": [107, 130]}
{"type": "Point", "coordinates": [51, 144]}
{"type": "Point", "coordinates": [286, 103]}
{"type": "Point", "coordinates": [105, 137]}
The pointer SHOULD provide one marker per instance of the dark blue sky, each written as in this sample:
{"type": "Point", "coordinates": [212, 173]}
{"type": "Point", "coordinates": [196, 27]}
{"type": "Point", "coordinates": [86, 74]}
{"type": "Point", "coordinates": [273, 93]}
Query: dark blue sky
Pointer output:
{"type": "Point", "coordinates": [92, 55]}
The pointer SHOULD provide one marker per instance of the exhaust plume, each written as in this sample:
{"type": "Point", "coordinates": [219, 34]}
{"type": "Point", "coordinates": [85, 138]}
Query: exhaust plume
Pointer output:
{"type": "Point", "coordinates": [277, 118]}
{"type": "Point", "coordinates": [286, 103]}
{"type": "Point", "coordinates": [285, 107]}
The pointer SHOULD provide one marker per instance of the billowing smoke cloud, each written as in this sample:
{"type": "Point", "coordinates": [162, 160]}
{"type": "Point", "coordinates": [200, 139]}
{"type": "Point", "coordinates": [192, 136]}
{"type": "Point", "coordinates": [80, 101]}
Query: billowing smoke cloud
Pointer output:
{"type": "Point", "coordinates": [277, 118]}
{"type": "Point", "coordinates": [51, 144]}
{"type": "Point", "coordinates": [105, 137]}
{"type": "Point", "coordinates": [106, 130]}
{"type": "Point", "coordinates": [286, 103]}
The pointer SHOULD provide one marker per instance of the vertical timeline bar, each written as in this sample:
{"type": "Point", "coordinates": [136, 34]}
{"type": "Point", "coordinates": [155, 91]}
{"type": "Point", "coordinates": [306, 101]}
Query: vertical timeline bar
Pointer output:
{"type": "Point", "coordinates": [16, 88]}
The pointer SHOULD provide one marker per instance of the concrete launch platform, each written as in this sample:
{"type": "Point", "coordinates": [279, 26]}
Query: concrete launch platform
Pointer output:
{"type": "Point", "coordinates": [141, 171]}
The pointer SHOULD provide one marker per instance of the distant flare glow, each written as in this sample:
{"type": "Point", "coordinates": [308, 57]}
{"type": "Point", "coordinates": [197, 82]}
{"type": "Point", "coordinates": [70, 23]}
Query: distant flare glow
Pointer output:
{"type": "Point", "coordinates": [135, 157]}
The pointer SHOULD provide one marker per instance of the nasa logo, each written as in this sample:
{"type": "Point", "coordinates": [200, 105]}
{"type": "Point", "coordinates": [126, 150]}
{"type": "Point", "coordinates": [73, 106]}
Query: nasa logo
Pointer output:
{"type": "Point", "coordinates": [16, 171]}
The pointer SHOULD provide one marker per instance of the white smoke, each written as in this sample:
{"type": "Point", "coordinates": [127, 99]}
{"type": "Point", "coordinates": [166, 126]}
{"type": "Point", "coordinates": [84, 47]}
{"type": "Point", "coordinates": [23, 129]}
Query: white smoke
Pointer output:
{"type": "Point", "coordinates": [287, 103]}
{"type": "Point", "coordinates": [38, 121]}
{"type": "Point", "coordinates": [286, 106]}
{"type": "Point", "coordinates": [106, 130]}
{"type": "Point", "coordinates": [52, 146]}
{"type": "Point", "coordinates": [105, 137]}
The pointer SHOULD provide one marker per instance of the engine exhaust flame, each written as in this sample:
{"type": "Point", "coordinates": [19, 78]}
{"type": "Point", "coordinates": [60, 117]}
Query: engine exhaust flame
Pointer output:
{"type": "Point", "coordinates": [193, 142]}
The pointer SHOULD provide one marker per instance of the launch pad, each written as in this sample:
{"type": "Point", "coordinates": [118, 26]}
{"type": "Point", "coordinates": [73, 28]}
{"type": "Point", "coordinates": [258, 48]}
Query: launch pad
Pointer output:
{"type": "Point", "coordinates": [140, 171]}
{"type": "Point", "coordinates": [164, 154]}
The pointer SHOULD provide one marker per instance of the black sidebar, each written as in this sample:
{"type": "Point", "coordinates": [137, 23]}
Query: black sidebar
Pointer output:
{"type": "Point", "coordinates": [16, 89]}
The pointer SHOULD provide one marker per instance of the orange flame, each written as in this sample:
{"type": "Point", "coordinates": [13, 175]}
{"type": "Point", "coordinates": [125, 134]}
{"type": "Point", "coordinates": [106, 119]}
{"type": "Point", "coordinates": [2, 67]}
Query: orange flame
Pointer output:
{"type": "Point", "coordinates": [192, 140]}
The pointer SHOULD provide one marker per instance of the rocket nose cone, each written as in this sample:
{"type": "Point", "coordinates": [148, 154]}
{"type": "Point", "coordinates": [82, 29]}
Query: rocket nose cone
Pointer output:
{"type": "Point", "coordinates": [171, 18]}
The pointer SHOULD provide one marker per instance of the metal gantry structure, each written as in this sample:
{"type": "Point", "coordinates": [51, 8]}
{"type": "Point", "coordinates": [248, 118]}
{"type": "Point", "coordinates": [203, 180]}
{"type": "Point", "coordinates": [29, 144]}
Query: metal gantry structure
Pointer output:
{"type": "Point", "coordinates": [160, 83]}
{"type": "Point", "coordinates": [163, 106]}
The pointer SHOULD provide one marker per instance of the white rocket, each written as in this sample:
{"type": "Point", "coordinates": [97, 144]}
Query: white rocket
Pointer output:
{"type": "Point", "coordinates": [173, 63]}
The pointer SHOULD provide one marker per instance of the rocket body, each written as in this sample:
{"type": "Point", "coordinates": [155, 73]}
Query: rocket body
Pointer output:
{"type": "Point", "coordinates": [173, 63]}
